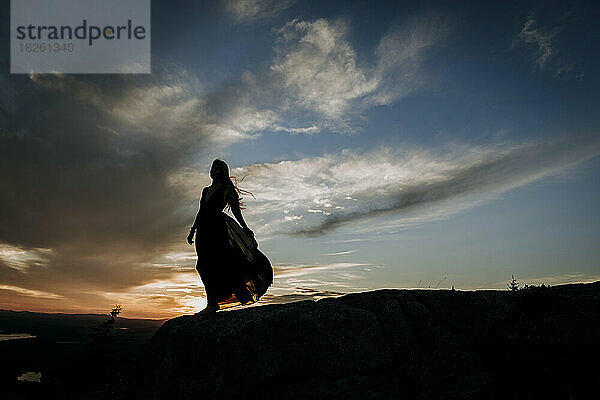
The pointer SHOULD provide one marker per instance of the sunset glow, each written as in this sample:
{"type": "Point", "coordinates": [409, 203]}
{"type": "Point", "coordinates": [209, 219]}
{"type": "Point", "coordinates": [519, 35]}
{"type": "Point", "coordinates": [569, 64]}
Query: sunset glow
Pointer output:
{"type": "Point", "coordinates": [386, 145]}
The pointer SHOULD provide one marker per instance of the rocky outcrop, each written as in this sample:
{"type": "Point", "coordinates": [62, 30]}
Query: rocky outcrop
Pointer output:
{"type": "Point", "coordinates": [533, 343]}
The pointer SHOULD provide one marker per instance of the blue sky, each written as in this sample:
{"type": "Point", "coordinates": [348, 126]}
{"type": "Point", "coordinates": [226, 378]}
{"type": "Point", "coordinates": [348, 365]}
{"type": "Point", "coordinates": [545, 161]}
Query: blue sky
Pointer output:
{"type": "Point", "coordinates": [395, 144]}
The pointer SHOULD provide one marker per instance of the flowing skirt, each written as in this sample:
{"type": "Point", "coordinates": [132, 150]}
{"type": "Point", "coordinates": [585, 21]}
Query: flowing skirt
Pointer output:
{"type": "Point", "coordinates": [230, 264]}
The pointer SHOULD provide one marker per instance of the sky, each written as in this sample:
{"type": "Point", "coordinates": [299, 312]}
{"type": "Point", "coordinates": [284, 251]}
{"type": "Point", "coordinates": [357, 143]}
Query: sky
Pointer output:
{"type": "Point", "coordinates": [387, 144]}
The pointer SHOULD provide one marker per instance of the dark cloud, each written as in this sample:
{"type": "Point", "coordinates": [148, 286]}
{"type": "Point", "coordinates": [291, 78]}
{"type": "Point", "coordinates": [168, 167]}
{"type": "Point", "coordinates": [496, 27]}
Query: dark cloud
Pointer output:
{"type": "Point", "coordinates": [90, 180]}
{"type": "Point", "coordinates": [72, 172]}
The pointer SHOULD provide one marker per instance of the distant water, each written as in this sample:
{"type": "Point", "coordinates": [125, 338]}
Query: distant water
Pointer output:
{"type": "Point", "coordinates": [31, 377]}
{"type": "Point", "coordinates": [15, 336]}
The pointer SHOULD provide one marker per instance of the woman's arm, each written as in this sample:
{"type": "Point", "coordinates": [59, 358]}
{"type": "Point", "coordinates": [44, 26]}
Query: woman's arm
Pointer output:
{"type": "Point", "coordinates": [190, 238]}
{"type": "Point", "coordinates": [234, 202]}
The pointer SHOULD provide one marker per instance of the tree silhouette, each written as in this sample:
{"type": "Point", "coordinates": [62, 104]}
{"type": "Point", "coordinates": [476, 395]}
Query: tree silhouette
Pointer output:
{"type": "Point", "coordinates": [101, 339]}
{"type": "Point", "coordinates": [513, 285]}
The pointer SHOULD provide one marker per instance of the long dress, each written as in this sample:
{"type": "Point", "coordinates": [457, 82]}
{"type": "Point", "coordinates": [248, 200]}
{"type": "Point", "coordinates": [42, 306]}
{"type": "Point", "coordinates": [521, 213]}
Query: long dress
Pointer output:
{"type": "Point", "coordinates": [234, 271]}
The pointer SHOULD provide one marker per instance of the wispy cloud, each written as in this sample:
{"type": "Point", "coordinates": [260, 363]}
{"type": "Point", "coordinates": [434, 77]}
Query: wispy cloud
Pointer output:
{"type": "Point", "coordinates": [252, 10]}
{"type": "Point", "coordinates": [22, 258]}
{"type": "Point", "coordinates": [401, 54]}
{"type": "Point", "coordinates": [349, 188]}
{"type": "Point", "coordinates": [31, 293]}
{"type": "Point", "coordinates": [541, 40]}
{"type": "Point", "coordinates": [309, 130]}
{"type": "Point", "coordinates": [314, 282]}
{"type": "Point", "coordinates": [298, 270]}
{"type": "Point", "coordinates": [341, 253]}
{"type": "Point", "coordinates": [319, 69]}
{"type": "Point", "coordinates": [299, 294]}
{"type": "Point", "coordinates": [318, 66]}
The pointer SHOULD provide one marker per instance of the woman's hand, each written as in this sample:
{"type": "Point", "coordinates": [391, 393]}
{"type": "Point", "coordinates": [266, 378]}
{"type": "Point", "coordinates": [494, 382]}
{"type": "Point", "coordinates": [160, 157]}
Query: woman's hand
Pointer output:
{"type": "Point", "coordinates": [190, 238]}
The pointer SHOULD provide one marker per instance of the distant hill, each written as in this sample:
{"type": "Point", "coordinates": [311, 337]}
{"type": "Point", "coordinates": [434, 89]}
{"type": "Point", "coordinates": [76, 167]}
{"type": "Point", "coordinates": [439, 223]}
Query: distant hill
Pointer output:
{"type": "Point", "coordinates": [61, 351]}
{"type": "Point", "coordinates": [66, 327]}
{"type": "Point", "coordinates": [534, 343]}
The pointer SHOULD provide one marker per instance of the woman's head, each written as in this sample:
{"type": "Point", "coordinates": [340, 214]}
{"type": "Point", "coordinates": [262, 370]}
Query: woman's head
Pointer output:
{"type": "Point", "coordinates": [219, 170]}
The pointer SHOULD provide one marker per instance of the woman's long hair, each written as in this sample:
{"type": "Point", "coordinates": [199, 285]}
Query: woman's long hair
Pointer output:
{"type": "Point", "coordinates": [232, 180]}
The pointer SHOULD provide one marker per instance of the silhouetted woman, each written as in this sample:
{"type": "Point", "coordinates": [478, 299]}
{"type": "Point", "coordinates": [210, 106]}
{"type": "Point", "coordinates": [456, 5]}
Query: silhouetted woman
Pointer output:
{"type": "Point", "coordinates": [230, 265]}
